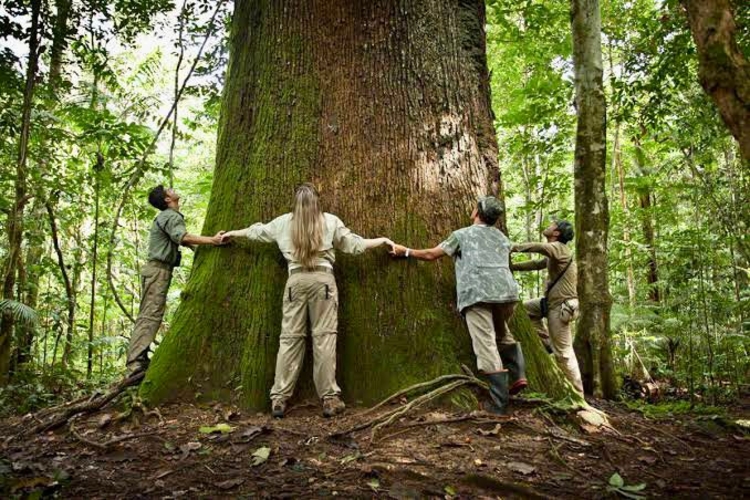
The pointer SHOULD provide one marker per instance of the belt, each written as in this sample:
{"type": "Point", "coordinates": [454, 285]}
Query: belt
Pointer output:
{"type": "Point", "coordinates": [160, 264]}
{"type": "Point", "coordinates": [316, 269]}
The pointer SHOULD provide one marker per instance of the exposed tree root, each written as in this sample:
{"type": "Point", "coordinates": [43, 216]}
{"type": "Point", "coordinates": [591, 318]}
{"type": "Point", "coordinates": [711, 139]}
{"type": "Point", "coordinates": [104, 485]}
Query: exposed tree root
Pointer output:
{"type": "Point", "coordinates": [591, 419]}
{"type": "Point", "coordinates": [53, 420]}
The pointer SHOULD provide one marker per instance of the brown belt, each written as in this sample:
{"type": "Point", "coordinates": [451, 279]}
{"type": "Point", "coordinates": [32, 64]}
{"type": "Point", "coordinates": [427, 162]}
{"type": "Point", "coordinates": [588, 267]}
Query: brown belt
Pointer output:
{"type": "Point", "coordinates": [316, 269]}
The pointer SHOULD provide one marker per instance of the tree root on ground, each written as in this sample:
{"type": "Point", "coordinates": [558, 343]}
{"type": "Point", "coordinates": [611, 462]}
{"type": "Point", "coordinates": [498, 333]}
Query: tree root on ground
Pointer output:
{"type": "Point", "coordinates": [590, 418]}
{"type": "Point", "coordinates": [449, 384]}
{"type": "Point", "coordinates": [49, 420]}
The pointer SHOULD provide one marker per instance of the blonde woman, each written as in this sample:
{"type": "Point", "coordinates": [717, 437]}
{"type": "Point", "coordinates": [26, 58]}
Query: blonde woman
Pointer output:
{"type": "Point", "coordinates": [308, 238]}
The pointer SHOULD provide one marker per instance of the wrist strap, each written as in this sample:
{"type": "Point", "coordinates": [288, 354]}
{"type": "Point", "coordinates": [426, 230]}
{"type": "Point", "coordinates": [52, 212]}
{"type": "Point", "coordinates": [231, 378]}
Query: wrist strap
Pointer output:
{"type": "Point", "coordinates": [408, 251]}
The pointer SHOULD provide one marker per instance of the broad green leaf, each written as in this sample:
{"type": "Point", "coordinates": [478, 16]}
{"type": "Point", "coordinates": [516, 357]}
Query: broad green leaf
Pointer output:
{"type": "Point", "coordinates": [616, 480]}
{"type": "Point", "coordinates": [261, 455]}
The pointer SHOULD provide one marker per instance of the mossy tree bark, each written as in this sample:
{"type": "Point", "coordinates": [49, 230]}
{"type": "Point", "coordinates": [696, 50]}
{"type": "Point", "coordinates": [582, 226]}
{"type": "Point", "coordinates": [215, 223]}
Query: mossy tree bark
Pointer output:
{"type": "Point", "coordinates": [592, 341]}
{"type": "Point", "coordinates": [385, 106]}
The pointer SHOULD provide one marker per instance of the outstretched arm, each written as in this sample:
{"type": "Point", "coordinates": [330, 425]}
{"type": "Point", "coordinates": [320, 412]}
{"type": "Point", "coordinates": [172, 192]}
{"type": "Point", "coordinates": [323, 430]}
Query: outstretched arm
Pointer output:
{"type": "Point", "coordinates": [376, 242]}
{"type": "Point", "coordinates": [427, 254]}
{"type": "Point", "coordinates": [190, 240]}
{"type": "Point", "coordinates": [265, 233]}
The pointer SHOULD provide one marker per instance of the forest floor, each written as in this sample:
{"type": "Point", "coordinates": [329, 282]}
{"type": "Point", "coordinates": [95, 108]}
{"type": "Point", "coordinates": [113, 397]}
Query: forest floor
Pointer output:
{"type": "Point", "coordinates": [532, 453]}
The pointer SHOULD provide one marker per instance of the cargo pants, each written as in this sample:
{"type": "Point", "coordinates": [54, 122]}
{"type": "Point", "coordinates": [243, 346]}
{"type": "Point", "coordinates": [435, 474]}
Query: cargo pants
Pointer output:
{"type": "Point", "coordinates": [559, 336]}
{"type": "Point", "coordinates": [488, 328]}
{"type": "Point", "coordinates": [155, 280]}
{"type": "Point", "coordinates": [313, 297]}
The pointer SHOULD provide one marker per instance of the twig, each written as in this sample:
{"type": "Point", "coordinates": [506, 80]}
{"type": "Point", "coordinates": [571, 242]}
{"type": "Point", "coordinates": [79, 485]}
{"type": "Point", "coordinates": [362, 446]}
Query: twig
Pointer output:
{"type": "Point", "coordinates": [105, 444]}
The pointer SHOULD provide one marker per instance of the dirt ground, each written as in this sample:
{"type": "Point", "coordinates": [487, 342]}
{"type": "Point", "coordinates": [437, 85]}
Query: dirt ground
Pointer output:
{"type": "Point", "coordinates": [531, 453]}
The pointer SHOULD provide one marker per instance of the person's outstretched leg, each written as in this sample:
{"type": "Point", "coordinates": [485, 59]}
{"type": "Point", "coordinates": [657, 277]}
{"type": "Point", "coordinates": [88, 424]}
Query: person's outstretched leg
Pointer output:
{"type": "Point", "coordinates": [562, 345]}
{"type": "Point", "coordinates": [291, 344]}
{"type": "Point", "coordinates": [155, 281]}
{"type": "Point", "coordinates": [479, 321]}
{"type": "Point", "coordinates": [510, 350]}
{"type": "Point", "coordinates": [534, 310]}
{"type": "Point", "coordinates": [323, 310]}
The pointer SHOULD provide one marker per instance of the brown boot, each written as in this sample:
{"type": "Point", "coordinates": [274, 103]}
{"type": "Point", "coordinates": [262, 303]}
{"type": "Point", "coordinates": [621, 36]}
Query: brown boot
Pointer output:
{"type": "Point", "coordinates": [332, 405]}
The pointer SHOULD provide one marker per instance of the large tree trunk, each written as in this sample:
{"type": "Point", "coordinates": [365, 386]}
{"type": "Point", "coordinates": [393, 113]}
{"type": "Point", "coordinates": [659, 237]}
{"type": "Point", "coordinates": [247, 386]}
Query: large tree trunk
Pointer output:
{"type": "Point", "coordinates": [592, 213]}
{"type": "Point", "coordinates": [724, 71]}
{"type": "Point", "coordinates": [14, 223]}
{"type": "Point", "coordinates": [385, 106]}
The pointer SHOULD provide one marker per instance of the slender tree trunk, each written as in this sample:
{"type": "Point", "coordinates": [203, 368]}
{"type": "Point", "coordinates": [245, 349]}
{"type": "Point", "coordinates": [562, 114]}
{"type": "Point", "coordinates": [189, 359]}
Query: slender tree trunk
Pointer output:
{"type": "Point", "coordinates": [94, 254]}
{"type": "Point", "coordinates": [14, 223]}
{"type": "Point", "coordinates": [724, 71]}
{"type": "Point", "coordinates": [620, 172]}
{"type": "Point", "coordinates": [646, 202]}
{"type": "Point", "coordinates": [69, 290]}
{"type": "Point", "coordinates": [592, 212]}
{"type": "Point", "coordinates": [30, 290]}
{"type": "Point", "coordinates": [385, 106]}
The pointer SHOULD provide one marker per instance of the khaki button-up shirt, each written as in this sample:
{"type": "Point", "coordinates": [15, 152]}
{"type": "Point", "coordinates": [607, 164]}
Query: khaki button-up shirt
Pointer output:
{"type": "Point", "coordinates": [165, 236]}
{"type": "Point", "coordinates": [557, 256]}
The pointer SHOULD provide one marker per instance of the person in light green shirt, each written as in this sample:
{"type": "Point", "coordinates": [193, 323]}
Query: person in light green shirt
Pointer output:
{"type": "Point", "coordinates": [487, 295]}
{"type": "Point", "coordinates": [166, 235]}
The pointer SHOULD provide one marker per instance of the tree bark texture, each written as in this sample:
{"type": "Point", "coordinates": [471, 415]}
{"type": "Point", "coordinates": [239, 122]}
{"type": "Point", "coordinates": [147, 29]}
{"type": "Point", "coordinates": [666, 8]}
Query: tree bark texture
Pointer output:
{"type": "Point", "coordinates": [385, 107]}
{"type": "Point", "coordinates": [14, 223]}
{"type": "Point", "coordinates": [724, 71]}
{"type": "Point", "coordinates": [591, 208]}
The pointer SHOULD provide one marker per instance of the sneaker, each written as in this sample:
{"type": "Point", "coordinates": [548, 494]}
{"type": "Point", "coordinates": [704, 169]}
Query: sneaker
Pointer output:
{"type": "Point", "coordinates": [278, 407]}
{"type": "Point", "coordinates": [332, 405]}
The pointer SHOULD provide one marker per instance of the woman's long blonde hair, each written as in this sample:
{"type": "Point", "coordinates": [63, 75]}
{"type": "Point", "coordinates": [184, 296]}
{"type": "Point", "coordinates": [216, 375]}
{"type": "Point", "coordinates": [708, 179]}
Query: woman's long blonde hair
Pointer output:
{"type": "Point", "coordinates": [307, 225]}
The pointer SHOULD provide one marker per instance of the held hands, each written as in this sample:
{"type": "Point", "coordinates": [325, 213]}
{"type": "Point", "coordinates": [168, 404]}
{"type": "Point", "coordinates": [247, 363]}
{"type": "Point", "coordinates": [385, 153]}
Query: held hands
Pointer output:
{"type": "Point", "coordinates": [219, 239]}
{"type": "Point", "coordinates": [397, 250]}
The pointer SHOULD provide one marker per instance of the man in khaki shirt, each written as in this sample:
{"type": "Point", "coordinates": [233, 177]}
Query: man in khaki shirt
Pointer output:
{"type": "Point", "coordinates": [561, 295]}
{"type": "Point", "coordinates": [166, 235]}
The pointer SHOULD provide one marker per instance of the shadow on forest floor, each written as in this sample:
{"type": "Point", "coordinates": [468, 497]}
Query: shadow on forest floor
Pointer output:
{"type": "Point", "coordinates": [530, 454]}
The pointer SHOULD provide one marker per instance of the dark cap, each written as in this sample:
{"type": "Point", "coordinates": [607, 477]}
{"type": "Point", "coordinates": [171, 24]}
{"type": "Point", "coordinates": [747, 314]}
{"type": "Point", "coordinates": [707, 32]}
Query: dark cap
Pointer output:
{"type": "Point", "coordinates": [490, 209]}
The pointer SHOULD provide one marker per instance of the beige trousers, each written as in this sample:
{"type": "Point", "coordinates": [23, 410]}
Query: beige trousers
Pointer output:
{"type": "Point", "coordinates": [559, 336]}
{"type": "Point", "coordinates": [487, 328]}
{"type": "Point", "coordinates": [155, 280]}
{"type": "Point", "coordinates": [308, 297]}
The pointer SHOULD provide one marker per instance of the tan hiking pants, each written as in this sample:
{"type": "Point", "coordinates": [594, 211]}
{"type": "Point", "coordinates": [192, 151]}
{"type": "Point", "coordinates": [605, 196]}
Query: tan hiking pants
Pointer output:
{"type": "Point", "coordinates": [487, 328]}
{"type": "Point", "coordinates": [313, 297]}
{"type": "Point", "coordinates": [155, 280]}
{"type": "Point", "coordinates": [559, 336]}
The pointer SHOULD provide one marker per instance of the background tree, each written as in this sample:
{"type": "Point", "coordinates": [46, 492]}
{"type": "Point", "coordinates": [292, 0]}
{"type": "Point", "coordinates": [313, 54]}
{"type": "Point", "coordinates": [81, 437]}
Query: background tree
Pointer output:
{"type": "Point", "coordinates": [592, 210]}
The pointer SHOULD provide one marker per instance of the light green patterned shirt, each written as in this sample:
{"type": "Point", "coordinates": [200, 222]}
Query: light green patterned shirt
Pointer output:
{"type": "Point", "coordinates": [482, 258]}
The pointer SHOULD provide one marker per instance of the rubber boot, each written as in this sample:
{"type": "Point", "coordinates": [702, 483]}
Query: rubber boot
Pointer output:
{"type": "Point", "coordinates": [512, 357]}
{"type": "Point", "coordinates": [498, 403]}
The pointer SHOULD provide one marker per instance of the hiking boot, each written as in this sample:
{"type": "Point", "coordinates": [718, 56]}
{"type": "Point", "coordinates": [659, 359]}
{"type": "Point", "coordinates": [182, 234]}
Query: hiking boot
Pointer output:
{"type": "Point", "coordinates": [498, 403]}
{"type": "Point", "coordinates": [278, 407]}
{"type": "Point", "coordinates": [512, 357]}
{"type": "Point", "coordinates": [332, 405]}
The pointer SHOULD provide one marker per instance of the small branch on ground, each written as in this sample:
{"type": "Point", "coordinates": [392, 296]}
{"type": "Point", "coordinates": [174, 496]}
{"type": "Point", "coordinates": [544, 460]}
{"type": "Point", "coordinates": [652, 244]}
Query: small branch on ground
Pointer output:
{"type": "Point", "coordinates": [105, 444]}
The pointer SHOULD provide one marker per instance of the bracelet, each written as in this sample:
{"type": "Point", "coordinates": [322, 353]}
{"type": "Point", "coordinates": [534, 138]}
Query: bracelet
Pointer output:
{"type": "Point", "coordinates": [408, 250]}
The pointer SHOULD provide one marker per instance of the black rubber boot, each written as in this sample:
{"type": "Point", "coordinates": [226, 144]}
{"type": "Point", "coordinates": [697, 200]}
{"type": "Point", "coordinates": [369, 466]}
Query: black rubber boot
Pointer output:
{"type": "Point", "coordinates": [498, 403]}
{"type": "Point", "coordinates": [512, 357]}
